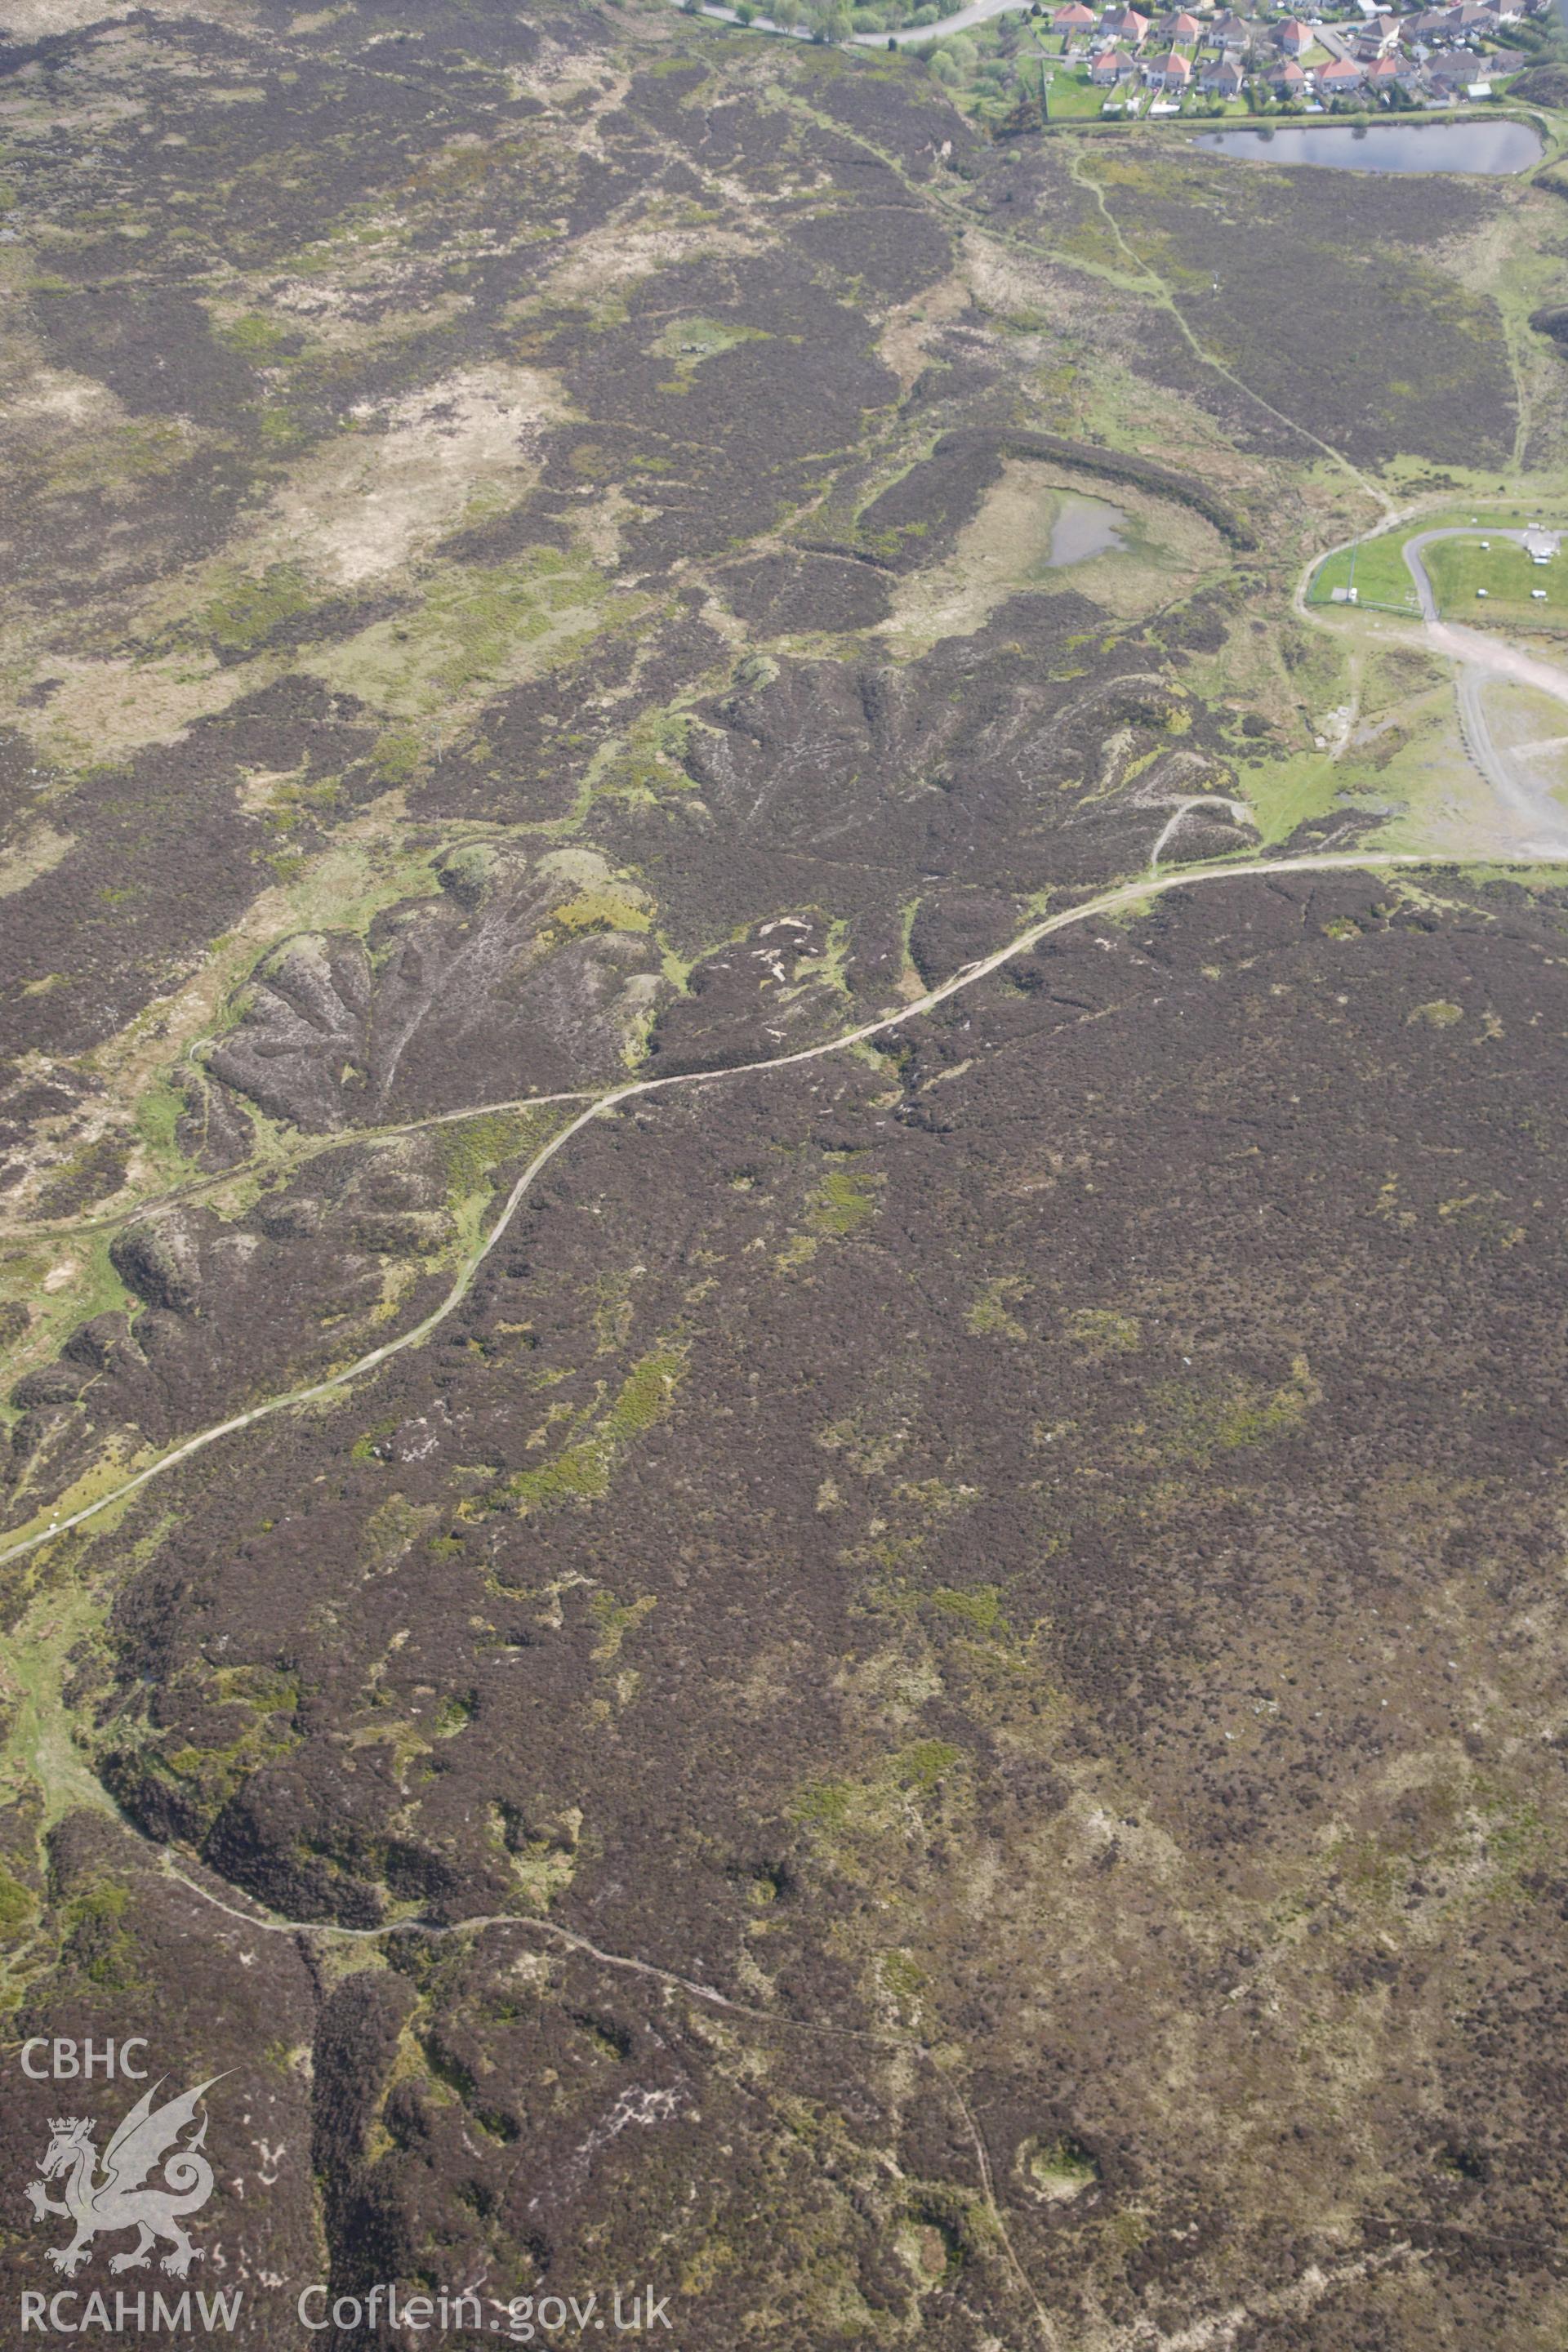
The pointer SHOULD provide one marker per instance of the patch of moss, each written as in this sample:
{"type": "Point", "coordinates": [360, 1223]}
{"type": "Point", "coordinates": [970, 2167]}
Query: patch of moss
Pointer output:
{"type": "Point", "coordinates": [989, 1318]}
{"type": "Point", "coordinates": [1234, 1413]}
{"type": "Point", "coordinates": [979, 1606]}
{"type": "Point", "coordinates": [583, 1470]}
{"type": "Point", "coordinates": [245, 612]}
{"type": "Point", "coordinates": [17, 1907]}
{"type": "Point", "coordinates": [1100, 1331]}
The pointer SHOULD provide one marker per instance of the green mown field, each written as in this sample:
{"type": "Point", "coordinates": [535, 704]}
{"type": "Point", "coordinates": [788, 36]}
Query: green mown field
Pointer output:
{"type": "Point", "coordinates": [1377, 571]}
{"type": "Point", "coordinates": [1457, 567]}
{"type": "Point", "coordinates": [1461, 566]}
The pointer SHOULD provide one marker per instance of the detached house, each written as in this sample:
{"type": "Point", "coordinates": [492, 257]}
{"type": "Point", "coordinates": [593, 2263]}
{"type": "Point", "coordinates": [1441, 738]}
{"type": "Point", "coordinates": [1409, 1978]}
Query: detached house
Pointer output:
{"type": "Point", "coordinates": [1340, 78]}
{"type": "Point", "coordinates": [1385, 74]}
{"type": "Point", "coordinates": [1123, 29]}
{"type": "Point", "coordinates": [1223, 79]}
{"type": "Point", "coordinates": [1293, 37]}
{"type": "Point", "coordinates": [1169, 71]}
{"type": "Point", "coordinates": [1288, 80]}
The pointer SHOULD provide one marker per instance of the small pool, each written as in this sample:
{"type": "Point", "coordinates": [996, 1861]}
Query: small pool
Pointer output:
{"type": "Point", "coordinates": [1084, 528]}
{"type": "Point", "coordinates": [1490, 147]}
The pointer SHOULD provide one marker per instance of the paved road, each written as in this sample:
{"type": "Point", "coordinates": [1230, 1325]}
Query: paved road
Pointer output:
{"type": "Point", "coordinates": [1542, 819]}
{"type": "Point", "coordinates": [976, 14]}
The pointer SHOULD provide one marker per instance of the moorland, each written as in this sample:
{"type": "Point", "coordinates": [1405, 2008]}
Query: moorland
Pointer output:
{"type": "Point", "coordinates": [780, 1185]}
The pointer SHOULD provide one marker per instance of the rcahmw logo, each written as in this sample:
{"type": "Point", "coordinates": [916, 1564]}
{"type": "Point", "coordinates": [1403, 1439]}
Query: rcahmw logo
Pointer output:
{"type": "Point", "coordinates": [152, 2178]}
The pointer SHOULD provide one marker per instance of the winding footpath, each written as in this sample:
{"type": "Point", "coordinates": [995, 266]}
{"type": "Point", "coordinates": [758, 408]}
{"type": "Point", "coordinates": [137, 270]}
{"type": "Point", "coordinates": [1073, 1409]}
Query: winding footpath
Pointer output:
{"type": "Point", "coordinates": [1122, 895]}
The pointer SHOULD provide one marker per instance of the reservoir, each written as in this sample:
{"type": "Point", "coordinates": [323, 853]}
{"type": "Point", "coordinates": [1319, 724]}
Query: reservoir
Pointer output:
{"type": "Point", "coordinates": [1489, 147]}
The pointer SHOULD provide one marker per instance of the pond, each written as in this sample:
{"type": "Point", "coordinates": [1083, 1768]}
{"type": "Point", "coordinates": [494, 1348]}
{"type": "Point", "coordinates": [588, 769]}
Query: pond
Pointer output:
{"type": "Point", "coordinates": [1083, 528]}
{"type": "Point", "coordinates": [1490, 147]}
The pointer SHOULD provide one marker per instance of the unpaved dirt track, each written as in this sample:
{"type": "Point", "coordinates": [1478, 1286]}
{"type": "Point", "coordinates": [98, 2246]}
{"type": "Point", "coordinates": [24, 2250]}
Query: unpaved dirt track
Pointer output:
{"type": "Point", "coordinates": [1123, 894]}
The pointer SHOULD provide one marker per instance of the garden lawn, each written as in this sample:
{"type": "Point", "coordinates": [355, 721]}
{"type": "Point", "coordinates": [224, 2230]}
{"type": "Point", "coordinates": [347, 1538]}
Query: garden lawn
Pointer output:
{"type": "Point", "coordinates": [1072, 95]}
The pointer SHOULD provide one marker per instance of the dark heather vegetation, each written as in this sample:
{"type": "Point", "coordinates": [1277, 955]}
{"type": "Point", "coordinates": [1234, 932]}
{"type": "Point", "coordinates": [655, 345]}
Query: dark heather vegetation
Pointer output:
{"type": "Point", "coordinates": [548, 548]}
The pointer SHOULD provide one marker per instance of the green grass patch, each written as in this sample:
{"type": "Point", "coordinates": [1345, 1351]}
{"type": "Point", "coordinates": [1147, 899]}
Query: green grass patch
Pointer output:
{"type": "Point", "coordinates": [472, 1149]}
{"type": "Point", "coordinates": [1073, 97]}
{"type": "Point", "coordinates": [690, 342]}
{"type": "Point", "coordinates": [1377, 571]}
{"type": "Point", "coordinates": [1285, 793]}
{"type": "Point", "coordinates": [19, 1909]}
{"type": "Point", "coordinates": [1456, 567]}
{"type": "Point", "coordinates": [840, 1206]}
{"type": "Point", "coordinates": [250, 606]}
{"type": "Point", "coordinates": [475, 627]}
{"type": "Point", "coordinates": [1460, 567]}
{"type": "Point", "coordinates": [581, 1471]}
{"type": "Point", "coordinates": [978, 1606]}
{"type": "Point", "coordinates": [1199, 1423]}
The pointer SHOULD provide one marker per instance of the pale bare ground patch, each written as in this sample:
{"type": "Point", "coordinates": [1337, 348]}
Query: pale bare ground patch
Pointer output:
{"type": "Point", "coordinates": [102, 711]}
{"type": "Point", "coordinates": [599, 523]}
{"type": "Point", "coordinates": [55, 397]}
{"type": "Point", "coordinates": [1220, 2331]}
{"type": "Point", "coordinates": [1011, 282]}
{"type": "Point", "coordinates": [1429, 788]}
{"type": "Point", "coordinates": [260, 788]}
{"type": "Point", "coordinates": [37, 850]}
{"type": "Point", "coordinates": [614, 255]}
{"type": "Point", "coordinates": [363, 507]}
{"type": "Point", "coordinates": [1526, 728]}
{"type": "Point", "coordinates": [331, 312]}
{"type": "Point", "coordinates": [1007, 544]}
{"type": "Point", "coordinates": [902, 343]}
{"type": "Point", "coordinates": [32, 20]}
{"type": "Point", "coordinates": [1525, 721]}
{"type": "Point", "coordinates": [74, 435]}
{"type": "Point", "coordinates": [556, 73]}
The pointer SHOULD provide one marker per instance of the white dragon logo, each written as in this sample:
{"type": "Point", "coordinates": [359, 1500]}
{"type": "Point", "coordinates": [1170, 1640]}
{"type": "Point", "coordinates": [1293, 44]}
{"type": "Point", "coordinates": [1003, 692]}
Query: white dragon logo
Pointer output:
{"type": "Point", "coordinates": [119, 2199]}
